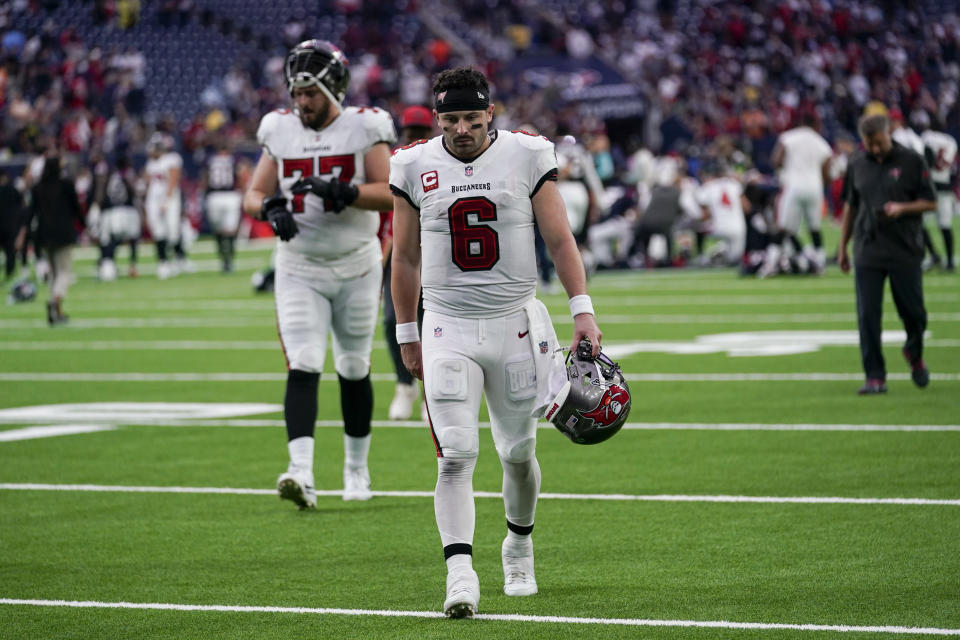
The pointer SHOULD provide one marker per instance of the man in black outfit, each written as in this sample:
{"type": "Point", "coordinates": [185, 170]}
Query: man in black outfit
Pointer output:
{"type": "Point", "coordinates": [887, 188]}
{"type": "Point", "coordinates": [11, 219]}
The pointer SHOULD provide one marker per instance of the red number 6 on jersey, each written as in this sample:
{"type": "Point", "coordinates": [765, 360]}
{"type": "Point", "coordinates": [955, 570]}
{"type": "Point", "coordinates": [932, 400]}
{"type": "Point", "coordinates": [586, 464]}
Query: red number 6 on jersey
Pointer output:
{"type": "Point", "coordinates": [473, 247]}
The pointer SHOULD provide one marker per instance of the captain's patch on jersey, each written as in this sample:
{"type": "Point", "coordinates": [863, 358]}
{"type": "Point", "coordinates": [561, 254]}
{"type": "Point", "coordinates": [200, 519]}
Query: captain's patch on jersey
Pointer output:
{"type": "Point", "coordinates": [429, 180]}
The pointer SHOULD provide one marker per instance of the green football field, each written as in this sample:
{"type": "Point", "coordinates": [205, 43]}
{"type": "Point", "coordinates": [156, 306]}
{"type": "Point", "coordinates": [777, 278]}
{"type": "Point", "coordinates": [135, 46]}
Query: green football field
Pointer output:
{"type": "Point", "coordinates": [752, 495]}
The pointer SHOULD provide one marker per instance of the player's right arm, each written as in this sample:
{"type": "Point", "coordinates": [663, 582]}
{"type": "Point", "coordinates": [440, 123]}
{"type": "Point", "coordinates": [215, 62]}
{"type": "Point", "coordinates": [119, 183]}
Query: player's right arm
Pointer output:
{"type": "Point", "coordinates": [405, 278]}
{"type": "Point", "coordinates": [263, 183]}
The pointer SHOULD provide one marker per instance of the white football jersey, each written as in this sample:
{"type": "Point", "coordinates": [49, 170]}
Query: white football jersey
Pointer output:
{"type": "Point", "coordinates": [476, 220]}
{"type": "Point", "coordinates": [943, 148]}
{"type": "Point", "coordinates": [336, 152]}
{"type": "Point", "coordinates": [804, 153]}
{"type": "Point", "coordinates": [908, 138]}
{"type": "Point", "coordinates": [721, 196]}
{"type": "Point", "coordinates": [158, 175]}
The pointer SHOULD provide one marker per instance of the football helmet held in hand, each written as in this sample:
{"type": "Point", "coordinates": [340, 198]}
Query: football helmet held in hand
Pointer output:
{"type": "Point", "coordinates": [274, 210]}
{"type": "Point", "coordinates": [336, 195]}
{"type": "Point", "coordinates": [595, 401]}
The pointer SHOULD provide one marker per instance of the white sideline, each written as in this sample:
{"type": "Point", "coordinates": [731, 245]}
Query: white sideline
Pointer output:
{"type": "Point", "coordinates": [500, 617]}
{"type": "Point", "coordinates": [615, 497]}
{"type": "Point", "coordinates": [44, 376]}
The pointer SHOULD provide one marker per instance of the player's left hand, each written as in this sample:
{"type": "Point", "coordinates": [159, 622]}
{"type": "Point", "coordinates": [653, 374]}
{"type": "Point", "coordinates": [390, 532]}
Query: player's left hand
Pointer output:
{"type": "Point", "coordinates": [893, 209]}
{"type": "Point", "coordinates": [585, 326]}
{"type": "Point", "coordinates": [336, 195]}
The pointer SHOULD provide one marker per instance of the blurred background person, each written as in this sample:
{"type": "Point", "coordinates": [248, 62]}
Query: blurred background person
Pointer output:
{"type": "Point", "coordinates": [56, 208]}
{"type": "Point", "coordinates": [11, 220]}
{"type": "Point", "coordinates": [803, 158]}
{"type": "Point", "coordinates": [117, 218]}
{"type": "Point", "coordinates": [653, 235]}
{"type": "Point", "coordinates": [940, 150]}
{"type": "Point", "coordinates": [223, 202]}
{"type": "Point", "coordinates": [723, 203]}
{"type": "Point", "coordinates": [416, 123]}
{"type": "Point", "coordinates": [582, 193]}
{"type": "Point", "coordinates": [162, 202]}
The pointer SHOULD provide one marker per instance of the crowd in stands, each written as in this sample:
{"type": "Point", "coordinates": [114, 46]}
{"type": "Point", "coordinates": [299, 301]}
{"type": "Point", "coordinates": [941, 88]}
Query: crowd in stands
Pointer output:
{"type": "Point", "coordinates": [719, 80]}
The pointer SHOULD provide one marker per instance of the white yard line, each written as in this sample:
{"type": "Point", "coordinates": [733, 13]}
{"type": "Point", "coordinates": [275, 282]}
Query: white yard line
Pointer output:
{"type": "Point", "coordinates": [328, 377]}
{"type": "Point", "coordinates": [712, 282]}
{"type": "Point", "coordinates": [612, 346]}
{"type": "Point", "coordinates": [616, 497]}
{"type": "Point", "coordinates": [650, 346]}
{"type": "Point", "coordinates": [141, 323]}
{"type": "Point", "coordinates": [143, 345]}
{"type": "Point", "coordinates": [30, 433]}
{"type": "Point", "coordinates": [601, 302]}
{"type": "Point", "coordinates": [498, 617]}
{"type": "Point", "coordinates": [416, 424]}
{"type": "Point", "coordinates": [744, 319]}
{"type": "Point", "coordinates": [740, 319]}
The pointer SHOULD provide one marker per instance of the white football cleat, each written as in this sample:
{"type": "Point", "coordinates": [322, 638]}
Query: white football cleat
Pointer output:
{"type": "Point", "coordinates": [107, 272]}
{"type": "Point", "coordinates": [184, 265]}
{"type": "Point", "coordinates": [463, 593]}
{"type": "Point", "coordinates": [401, 407]}
{"type": "Point", "coordinates": [296, 485]}
{"type": "Point", "coordinates": [356, 483]}
{"type": "Point", "coordinates": [164, 270]}
{"type": "Point", "coordinates": [518, 577]}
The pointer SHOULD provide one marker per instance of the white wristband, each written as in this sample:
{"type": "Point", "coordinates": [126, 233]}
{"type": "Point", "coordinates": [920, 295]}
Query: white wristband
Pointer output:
{"type": "Point", "coordinates": [407, 332]}
{"type": "Point", "coordinates": [581, 304]}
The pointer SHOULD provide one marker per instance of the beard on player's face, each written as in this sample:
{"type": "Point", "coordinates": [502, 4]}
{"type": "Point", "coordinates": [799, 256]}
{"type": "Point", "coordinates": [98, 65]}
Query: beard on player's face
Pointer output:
{"type": "Point", "coordinates": [312, 105]}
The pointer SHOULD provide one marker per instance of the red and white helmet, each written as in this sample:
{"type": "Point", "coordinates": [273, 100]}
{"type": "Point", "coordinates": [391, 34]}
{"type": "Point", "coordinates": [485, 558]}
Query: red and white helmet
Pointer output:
{"type": "Point", "coordinates": [594, 402]}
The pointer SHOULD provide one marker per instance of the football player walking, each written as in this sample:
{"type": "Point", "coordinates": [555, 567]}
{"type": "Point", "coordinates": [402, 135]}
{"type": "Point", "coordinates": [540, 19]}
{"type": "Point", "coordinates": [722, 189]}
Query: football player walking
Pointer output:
{"type": "Point", "coordinates": [464, 208]}
{"type": "Point", "coordinates": [330, 164]}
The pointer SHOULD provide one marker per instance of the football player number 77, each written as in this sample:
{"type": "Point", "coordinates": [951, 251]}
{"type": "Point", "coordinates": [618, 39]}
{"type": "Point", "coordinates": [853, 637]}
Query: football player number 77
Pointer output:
{"type": "Point", "coordinates": [305, 167]}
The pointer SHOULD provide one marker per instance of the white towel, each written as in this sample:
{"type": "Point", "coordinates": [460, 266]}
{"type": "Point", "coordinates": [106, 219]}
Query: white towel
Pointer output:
{"type": "Point", "coordinates": [547, 355]}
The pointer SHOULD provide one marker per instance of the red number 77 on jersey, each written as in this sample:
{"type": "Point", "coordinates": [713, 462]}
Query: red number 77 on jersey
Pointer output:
{"type": "Point", "coordinates": [304, 168]}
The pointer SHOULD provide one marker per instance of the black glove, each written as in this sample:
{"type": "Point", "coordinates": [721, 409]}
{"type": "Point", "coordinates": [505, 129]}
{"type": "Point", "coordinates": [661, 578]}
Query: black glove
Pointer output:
{"type": "Point", "coordinates": [336, 195]}
{"type": "Point", "coordinates": [274, 210]}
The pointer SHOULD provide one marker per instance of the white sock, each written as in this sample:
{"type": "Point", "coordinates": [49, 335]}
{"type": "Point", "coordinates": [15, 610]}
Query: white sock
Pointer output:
{"type": "Point", "coordinates": [301, 452]}
{"type": "Point", "coordinates": [518, 545]}
{"type": "Point", "coordinates": [453, 501]}
{"type": "Point", "coordinates": [355, 451]}
{"type": "Point", "coordinates": [521, 487]}
{"type": "Point", "coordinates": [459, 561]}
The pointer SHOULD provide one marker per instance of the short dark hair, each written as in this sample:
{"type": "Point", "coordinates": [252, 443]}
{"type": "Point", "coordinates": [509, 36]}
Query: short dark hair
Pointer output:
{"type": "Point", "coordinates": [873, 124]}
{"type": "Point", "coordinates": [809, 119]}
{"type": "Point", "coordinates": [460, 78]}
